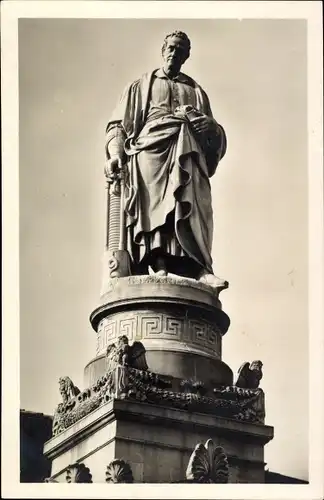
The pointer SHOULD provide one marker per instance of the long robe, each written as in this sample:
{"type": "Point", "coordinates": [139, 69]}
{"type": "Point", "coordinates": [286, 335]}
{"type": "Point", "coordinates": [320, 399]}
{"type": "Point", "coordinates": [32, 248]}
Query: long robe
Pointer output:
{"type": "Point", "coordinates": [168, 198]}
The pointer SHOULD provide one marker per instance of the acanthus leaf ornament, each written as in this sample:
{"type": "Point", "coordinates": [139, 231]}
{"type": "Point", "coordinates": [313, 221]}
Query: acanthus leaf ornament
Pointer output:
{"type": "Point", "coordinates": [119, 471]}
{"type": "Point", "coordinates": [78, 473]}
{"type": "Point", "coordinates": [208, 464]}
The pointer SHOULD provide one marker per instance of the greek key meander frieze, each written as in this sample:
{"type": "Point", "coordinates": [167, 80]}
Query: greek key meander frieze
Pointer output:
{"type": "Point", "coordinates": [149, 325]}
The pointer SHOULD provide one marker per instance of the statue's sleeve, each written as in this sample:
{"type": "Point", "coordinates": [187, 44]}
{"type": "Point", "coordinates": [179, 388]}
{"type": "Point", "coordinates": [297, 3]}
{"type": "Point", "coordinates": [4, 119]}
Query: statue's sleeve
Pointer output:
{"type": "Point", "coordinates": [216, 141]}
{"type": "Point", "coordinates": [121, 123]}
{"type": "Point", "coordinates": [115, 140]}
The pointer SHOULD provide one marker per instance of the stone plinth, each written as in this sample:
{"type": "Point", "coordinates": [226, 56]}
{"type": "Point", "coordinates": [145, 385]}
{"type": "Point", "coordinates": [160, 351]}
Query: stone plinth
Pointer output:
{"type": "Point", "coordinates": [158, 387]}
{"type": "Point", "coordinates": [157, 442]}
{"type": "Point", "coordinates": [179, 321]}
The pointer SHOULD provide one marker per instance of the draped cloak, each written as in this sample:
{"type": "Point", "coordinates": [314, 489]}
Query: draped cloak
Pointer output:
{"type": "Point", "coordinates": [168, 202]}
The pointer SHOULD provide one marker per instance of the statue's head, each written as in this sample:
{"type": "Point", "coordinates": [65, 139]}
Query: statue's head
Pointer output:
{"type": "Point", "coordinates": [122, 340]}
{"type": "Point", "coordinates": [175, 50]}
{"type": "Point", "coordinates": [256, 365]}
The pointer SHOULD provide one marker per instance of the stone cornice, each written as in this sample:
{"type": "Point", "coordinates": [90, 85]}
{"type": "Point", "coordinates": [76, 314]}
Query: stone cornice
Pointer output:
{"type": "Point", "coordinates": [149, 413]}
{"type": "Point", "coordinates": [121, 410]}
{"type": "Point", "coordinates": [173, 291]}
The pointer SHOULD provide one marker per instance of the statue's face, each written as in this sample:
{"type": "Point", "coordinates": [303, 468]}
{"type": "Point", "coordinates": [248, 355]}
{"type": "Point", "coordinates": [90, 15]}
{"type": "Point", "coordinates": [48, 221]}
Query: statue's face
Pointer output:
{"type": "Point", "coordinates": [123, 340]}
{"type": "Point", "coordinates": [175, 53]}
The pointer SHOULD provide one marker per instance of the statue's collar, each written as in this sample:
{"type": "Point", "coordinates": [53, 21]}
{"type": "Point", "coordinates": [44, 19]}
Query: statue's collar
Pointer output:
{"type": "Point", "coordinates": [181, 77]}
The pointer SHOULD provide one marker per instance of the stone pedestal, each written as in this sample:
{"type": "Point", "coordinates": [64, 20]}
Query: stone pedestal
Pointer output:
{"type": "Point", "coordinates": [157, 443]}
{"type": "Point", "coordinates": [179, 321]}
{"type": "Point", "coordinates": [153, 417]}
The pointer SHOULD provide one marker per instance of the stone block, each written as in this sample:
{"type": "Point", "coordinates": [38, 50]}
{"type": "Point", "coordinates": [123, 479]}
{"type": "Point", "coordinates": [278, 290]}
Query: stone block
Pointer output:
{"type": "Point", "coordinates": [157, 442]}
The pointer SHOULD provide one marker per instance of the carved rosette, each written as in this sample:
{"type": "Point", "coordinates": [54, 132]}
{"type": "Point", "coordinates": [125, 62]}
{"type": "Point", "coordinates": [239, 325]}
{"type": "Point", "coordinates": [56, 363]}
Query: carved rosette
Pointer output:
{"type": "Point", "coordinates": [78, 473]}
{"type": "Point", "coordinates": [119, 471]}
{"type": "Point", "coordinates": [208, 464]}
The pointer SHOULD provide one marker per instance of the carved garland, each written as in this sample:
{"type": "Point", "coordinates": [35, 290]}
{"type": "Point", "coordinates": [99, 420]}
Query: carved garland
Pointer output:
{"type": "Point", "coordinates": [129, 383]}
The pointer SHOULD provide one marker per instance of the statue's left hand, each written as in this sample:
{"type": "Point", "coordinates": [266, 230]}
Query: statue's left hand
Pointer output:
{"type": "Point", "coordinates": [113, 168]}
{"type": "Point", "coordinates": [203, 124]}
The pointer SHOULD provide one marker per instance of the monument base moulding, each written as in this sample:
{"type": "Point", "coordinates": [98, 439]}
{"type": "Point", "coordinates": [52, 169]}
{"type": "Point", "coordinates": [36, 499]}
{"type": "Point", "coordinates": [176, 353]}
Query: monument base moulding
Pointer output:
{"type": "Point", "coordinates": [179, 321]}
{"type": "Point", "coordinates": [156, 442]}
{"type": "Point", "coordinates": [157, 388]}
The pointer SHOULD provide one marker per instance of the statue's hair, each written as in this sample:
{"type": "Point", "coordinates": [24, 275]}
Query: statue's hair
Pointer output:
{"type": "Point", "coordinates": [182, 36]}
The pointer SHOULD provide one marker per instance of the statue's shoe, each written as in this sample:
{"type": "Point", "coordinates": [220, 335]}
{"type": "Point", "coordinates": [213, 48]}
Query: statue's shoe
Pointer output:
{"type": "Point", "coordinates": [213, 281]}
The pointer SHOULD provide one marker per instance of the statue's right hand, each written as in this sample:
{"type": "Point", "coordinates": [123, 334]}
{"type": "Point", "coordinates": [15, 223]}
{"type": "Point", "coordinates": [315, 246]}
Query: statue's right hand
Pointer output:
{"type": "Point", "coordinates": [113, 167]}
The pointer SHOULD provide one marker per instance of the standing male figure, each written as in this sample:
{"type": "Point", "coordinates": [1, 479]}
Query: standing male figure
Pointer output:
{"type": "Point", "coordinates": [164, 134]}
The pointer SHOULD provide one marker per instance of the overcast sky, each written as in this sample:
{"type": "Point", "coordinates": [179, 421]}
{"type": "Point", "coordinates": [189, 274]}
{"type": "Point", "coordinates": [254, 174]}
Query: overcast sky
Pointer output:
{"type": "Point", "coordinates": [71, 73]}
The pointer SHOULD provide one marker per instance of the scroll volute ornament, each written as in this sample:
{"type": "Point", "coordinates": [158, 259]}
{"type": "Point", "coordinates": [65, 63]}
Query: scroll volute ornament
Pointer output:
{"type": "Point", "coordinates": [208, 464]}
{"type": "Point", "coordinates": [78, 473]}
{"type": "Point", "coordinates": [119, 471]}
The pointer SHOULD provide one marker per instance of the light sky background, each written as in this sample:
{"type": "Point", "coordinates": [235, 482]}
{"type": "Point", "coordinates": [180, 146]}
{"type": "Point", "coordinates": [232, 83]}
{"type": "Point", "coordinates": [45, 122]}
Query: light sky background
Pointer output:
{"type": "Point", "coordinates": [71, 73]}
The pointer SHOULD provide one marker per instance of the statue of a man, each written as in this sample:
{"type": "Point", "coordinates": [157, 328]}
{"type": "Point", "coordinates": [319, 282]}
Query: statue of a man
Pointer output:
{"type": "Point", "coordinates": [164, 134]}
